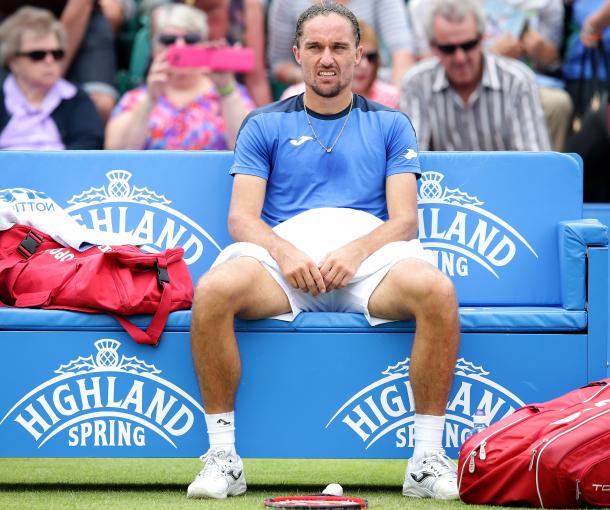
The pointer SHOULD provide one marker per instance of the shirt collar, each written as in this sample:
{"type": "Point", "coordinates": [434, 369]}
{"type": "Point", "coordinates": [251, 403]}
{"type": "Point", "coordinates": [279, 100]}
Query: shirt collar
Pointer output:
{"type": "Point", "coordinates": [17, 104]}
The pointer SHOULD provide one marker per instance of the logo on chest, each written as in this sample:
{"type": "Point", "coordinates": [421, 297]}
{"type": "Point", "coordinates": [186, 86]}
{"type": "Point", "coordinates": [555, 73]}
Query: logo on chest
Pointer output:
{"type": "Point", "coordinates": [301, 140]}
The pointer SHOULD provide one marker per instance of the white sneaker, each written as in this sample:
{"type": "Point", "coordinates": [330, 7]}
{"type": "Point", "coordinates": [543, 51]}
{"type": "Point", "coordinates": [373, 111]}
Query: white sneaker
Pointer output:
{"type": "Point", "coordinates": [433, 476]}
{"type": "Point", "coordinates": [222, 476]}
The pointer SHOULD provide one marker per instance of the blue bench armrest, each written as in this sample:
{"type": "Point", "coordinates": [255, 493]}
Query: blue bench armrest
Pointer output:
{"type": "Point", "coordinates": [575, 237]}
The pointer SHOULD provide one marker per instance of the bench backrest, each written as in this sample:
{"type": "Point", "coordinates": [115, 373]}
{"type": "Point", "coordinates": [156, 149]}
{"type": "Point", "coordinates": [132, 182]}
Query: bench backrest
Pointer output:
{"type": "Point", "coordinates": [490, 217]}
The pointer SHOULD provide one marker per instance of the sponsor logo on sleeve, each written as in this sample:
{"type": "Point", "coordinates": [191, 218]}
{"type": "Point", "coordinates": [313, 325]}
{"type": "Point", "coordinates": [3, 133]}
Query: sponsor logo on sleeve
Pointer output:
{"type": "Point", "coordinates": [410, 154]}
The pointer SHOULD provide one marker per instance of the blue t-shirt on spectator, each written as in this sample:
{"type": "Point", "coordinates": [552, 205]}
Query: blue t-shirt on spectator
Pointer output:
{"type": "Point", "coordinates": [277, 144]}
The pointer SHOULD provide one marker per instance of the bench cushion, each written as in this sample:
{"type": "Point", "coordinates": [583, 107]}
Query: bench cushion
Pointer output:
{"type": "Point", "coordinates": [489, 319]}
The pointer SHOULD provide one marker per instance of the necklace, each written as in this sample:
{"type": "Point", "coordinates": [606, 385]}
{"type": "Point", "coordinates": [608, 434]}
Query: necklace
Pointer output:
{"type": "Point", "coordinates": [328, 150]}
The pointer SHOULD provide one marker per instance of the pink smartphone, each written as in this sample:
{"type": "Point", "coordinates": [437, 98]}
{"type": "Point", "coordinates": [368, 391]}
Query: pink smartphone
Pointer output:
{"type": "Point", "coordinates": [236, 60]}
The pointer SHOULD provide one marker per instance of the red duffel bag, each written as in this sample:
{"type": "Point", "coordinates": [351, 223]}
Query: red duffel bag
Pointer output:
{"type": "Point", "coordinates": [550, 455]}
{"type": "Point", "coordinates": [37, 272]}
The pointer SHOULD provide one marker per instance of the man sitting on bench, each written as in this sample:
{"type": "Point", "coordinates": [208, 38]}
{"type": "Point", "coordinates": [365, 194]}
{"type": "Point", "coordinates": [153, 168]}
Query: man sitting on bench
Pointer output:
{"type": "Point", "coordinates": [324, 209]}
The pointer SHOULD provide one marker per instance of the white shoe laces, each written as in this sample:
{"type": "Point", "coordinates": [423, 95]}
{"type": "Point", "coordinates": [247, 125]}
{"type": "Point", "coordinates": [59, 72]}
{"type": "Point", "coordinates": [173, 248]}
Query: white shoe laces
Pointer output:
{"type": "Point", "coordinates": [440, 464]}
{"type": "Point", "coordinates": [216, 462]}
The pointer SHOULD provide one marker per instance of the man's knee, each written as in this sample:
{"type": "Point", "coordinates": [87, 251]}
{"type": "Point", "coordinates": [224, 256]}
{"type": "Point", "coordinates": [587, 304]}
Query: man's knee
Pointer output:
{"type": "Point", "coordinates": [556, 102]}
{"type": "Point", "coordinates": [219, 290]}
{"type": "Point", "coordinates": [427, 290]}
{"type": "Point", "coordinates": [437, 288]}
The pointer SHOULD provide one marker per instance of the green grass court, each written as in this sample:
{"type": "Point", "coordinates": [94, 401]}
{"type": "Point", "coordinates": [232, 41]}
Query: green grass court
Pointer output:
{"type": "Point", "coordinates": [161, 483]}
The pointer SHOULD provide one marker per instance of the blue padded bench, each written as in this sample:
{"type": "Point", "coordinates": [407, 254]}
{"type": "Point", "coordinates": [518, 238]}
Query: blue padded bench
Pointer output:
{"type": "Point", "coordinates": [530, 272]}
{"type": "Point", "coordinates": [601, 212]}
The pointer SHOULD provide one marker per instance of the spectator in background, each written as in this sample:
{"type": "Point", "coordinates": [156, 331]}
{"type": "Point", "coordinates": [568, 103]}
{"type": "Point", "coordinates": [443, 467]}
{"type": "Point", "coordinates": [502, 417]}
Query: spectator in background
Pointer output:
{"type": "Point", "coordinates": [467, 98]}
{"type": "Point", "coordinates": [38, 109]}
{"type": "Point", "coordinates": [90, 55]}
{"type": "Point", "coordinates": [587, 23]}
{"type": "Point", "coordinates": [531, 31]}
{"type": "Point", "coordinates": [90, 59]}
{"type": "Point", "coordinates": [365, 81]}
{"type": "Point", "coordinates": [387, 17]}
{"type": "Point", "coordinates": [179, 108]}
{"type": "Point", "coordinates": [594, 25]}
{"type": "Point", "coordinates": [117, 12]}
{"type": "Point", "coordinates": [241, 22]}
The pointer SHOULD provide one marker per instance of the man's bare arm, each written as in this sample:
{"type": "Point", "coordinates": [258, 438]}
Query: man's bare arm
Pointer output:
{"type": "Point", "coordinates": [245, 224]}
{"type": "Point", "coordinates": [339, 266]}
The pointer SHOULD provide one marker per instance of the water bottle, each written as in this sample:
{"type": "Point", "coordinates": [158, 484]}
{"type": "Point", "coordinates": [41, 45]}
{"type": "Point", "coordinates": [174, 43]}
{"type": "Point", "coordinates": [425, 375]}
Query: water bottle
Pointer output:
{"type": "Point", "coordinates": [479, 421]}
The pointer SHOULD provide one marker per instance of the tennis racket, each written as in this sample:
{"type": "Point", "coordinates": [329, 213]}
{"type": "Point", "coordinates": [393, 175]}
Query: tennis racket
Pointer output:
{"type": "Point", "coordinates": [305, 502]}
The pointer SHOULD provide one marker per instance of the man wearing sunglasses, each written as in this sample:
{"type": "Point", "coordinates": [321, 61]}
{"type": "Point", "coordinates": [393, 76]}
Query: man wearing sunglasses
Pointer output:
{"type": "Point", "coordinates": [466, 98]}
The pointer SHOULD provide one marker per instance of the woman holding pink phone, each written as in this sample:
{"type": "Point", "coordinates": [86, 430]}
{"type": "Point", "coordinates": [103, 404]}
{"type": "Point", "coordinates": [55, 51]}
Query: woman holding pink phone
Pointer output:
{"type": "Point", "coordinates": [189, 108]}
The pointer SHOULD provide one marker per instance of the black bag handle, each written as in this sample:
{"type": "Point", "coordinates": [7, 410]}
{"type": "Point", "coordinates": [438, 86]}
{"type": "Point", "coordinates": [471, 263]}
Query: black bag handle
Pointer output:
{"type": "Point", "coordinates": [592, 54]}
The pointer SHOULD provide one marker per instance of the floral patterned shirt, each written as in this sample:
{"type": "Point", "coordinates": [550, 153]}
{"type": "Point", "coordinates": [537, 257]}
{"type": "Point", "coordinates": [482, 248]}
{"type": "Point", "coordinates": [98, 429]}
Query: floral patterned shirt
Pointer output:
{"type": "Point", "coordinates": [196, 126]}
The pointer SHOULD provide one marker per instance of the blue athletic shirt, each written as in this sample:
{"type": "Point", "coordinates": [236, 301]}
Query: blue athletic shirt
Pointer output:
{"type": "Point", "coordinates": [276, 143]}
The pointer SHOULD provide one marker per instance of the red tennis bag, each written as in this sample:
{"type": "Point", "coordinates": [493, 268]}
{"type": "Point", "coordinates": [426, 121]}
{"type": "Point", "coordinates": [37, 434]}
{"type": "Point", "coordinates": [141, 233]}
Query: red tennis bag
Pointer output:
{"type": "Point", "coordinates": [550, 455]}
{"type": "Point", "coordinates": [38, 272]}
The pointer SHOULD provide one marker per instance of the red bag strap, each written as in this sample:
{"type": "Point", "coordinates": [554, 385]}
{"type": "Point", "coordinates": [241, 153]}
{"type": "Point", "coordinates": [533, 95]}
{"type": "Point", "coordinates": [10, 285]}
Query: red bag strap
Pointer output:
{"type": "Point", "coordinates": [157, 324]}
{"type": "Point", "coordinates": [133, 258]}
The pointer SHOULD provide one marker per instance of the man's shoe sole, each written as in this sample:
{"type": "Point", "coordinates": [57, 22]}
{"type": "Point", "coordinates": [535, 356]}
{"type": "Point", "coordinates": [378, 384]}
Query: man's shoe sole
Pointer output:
{"type": "Point", "coordinates": [197, 494]}
{"type": "Point", "coordinates": [410, 493]}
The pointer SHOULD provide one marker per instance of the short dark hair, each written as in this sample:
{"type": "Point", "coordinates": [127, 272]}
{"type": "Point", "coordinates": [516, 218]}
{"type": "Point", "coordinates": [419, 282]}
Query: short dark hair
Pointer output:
{"type": "Point", "coordinates": [325, 8]}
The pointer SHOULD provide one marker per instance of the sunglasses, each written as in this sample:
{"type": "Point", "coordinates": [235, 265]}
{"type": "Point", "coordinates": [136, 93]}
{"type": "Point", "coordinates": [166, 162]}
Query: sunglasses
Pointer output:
{"type": "Point", "coordinates": [371, 56]}
{"type": "Point", "coordinates": [450, 49]}
{"type": "Point", "coordinates": [38, 55]}
{"type": "Point", "coordinates": [188, 38]}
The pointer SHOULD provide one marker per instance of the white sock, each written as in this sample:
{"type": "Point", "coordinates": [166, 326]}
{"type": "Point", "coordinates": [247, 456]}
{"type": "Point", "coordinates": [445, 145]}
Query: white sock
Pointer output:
{"type": "Point", "coordinates": [428, 434]}
{"type": "Point", "coordinates": [221, 430]}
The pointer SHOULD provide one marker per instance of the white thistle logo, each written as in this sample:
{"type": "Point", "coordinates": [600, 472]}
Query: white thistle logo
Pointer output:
{"type": "Point", "coordinates": [118, 188]}
{"type": "Point", "coordinates": [106, 399]}
{"type": "Point", "coordinates": [432, 191]}
{"type": "Point", "coordinates": [122, 207]}
{"type": "Point", "coordinates": [386, 406]}
{"type": "Point", "coordinates": [107, 358]}
{"type": "Point", "coordinates": [455, 227]}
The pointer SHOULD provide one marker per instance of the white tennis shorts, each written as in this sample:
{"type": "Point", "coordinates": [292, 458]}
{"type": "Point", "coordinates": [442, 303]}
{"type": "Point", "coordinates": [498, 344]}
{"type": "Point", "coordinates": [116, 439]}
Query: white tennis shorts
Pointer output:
{"type": "Point", "coordinates": [317, 232]}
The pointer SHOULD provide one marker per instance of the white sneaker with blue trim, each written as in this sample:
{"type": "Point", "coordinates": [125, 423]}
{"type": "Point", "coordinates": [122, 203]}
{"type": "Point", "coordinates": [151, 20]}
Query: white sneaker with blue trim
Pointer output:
{"type": "Point", "coordinates": [222, 476]}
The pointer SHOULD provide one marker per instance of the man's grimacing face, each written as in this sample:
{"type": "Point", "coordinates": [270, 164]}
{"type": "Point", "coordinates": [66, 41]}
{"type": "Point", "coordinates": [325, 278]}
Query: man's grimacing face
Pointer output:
{"type": "Point", "coordinates": [327, 54]}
